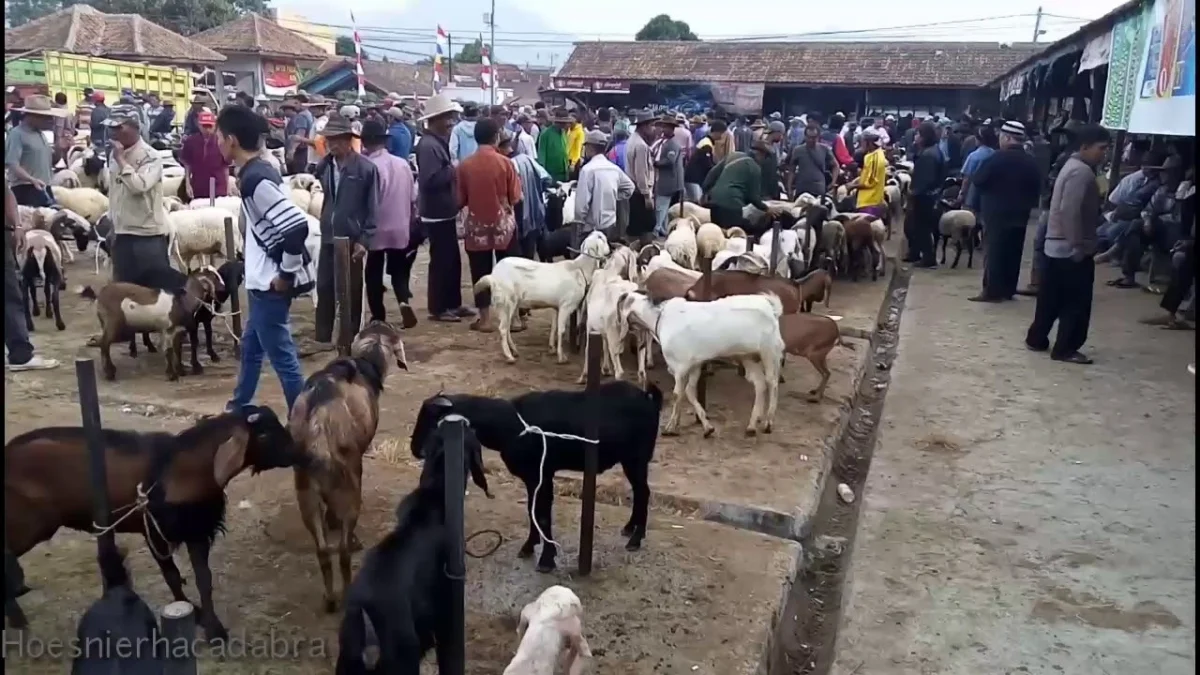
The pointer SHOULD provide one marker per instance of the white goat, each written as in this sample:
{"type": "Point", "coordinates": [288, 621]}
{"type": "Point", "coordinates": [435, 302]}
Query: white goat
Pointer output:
{"type": "Point", "coordinates": [663, 259]}
{"type": "Point", "coordinates": [551, 631]}
{"type": "Point", "coordinates": [301, 198]}
{"type": "Point", "coordinates": [681, 242]}
{"type": "Point", "coordinates": [744, 328]}
{"type": "Point", "coordinates": [313, 244]}
{"type": "Point", "coordinates": [520, 283]}
{"type": "Point", "coordinates": [789, 248]}
{"type": "Point", "coordinates": [603, 318]}
{"type": "Point", "coordinates": [710, 238]}
{"type": "Point", "coordinates": [65, 178]}
{"type": "Point", "coordinates": [301, 181]}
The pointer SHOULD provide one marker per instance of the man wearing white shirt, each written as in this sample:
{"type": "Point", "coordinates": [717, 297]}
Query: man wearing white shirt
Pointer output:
{"type": "Point", "coordinates": [526, 143]}
{"type": "Point", "coordinates": [601, 185]}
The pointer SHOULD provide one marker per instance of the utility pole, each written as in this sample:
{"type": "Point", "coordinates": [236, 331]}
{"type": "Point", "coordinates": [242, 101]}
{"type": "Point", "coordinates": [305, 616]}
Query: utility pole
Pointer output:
{"type": "Point", "coordinates": [492, 49]}
{"type": "Point", "coordinates": [1037, 26]}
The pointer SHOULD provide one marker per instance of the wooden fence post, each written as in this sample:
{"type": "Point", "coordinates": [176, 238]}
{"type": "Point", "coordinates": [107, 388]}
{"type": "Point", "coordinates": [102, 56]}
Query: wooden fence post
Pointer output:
{"type": "Point", "coordinates": [591, 461]}
{"type": "Point", "coordinates": [235, 299]}
{"type": "Point", "coordinates": [706, 279]}
{"type": "Point", "coordinates": [456, 565]}
{"type": "Point", "coordinates": [342, 262]}
{"type": "Point", "coordinates": [178, 629]}
{"type": "Point", "coordinates": [89, 411]}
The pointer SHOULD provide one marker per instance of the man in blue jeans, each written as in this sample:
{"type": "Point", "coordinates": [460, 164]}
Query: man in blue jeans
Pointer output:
{"type": "Point", "coordinates": [278, 267]}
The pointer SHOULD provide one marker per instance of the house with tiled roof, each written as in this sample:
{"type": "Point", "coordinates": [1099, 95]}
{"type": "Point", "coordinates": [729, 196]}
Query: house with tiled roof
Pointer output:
{"type": "Point", "coordinates": [265, 58]}
{"type": "Point", "coordinates": [381, 78]}
{"type": "Point", "coordinates": [857, 78]}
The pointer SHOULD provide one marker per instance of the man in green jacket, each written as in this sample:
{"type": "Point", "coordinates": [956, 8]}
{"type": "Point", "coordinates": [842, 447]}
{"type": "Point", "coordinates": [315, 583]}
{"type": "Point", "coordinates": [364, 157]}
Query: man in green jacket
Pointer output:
{"type": "Point", "coordinates": [735, 183]}
{"type": "Point", "coordinates": [552, 148]}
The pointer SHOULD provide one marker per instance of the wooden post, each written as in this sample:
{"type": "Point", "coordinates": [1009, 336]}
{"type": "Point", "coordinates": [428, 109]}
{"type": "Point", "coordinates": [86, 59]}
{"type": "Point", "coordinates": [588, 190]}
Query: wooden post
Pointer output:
{"type": "Point", "coordinates": [776, 229]}
{"type": "Point", "coordinates": [179, 631]}
{"type": "Point", "coordinates": [591, 462]}
{"type": "Point", "coordinates": [456, 564]}
{"type": "Point", "coordinates": [575, 331]}
{"type": "Point", "coordinates": [342, 262]}
{"type": "Point", "coordinates": [235, 298]}
{"type": "Point", "coordinates": [706, 279]}
{"type": "Point", "coordinates": [89, 411]}
{"type": "Point", "coordinates": [212, 193]}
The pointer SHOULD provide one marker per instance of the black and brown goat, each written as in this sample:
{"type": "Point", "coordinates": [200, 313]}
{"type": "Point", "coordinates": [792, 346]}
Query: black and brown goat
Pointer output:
{"type": "Point", "coordinates": [333, 422]}
{"type": "Point", "coordinates": [168, 487]}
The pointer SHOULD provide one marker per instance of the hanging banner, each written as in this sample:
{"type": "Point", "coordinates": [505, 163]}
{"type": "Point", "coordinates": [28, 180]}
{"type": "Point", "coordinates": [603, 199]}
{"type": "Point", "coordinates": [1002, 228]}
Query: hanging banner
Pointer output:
{"type": "Point", "coordinates": [1165, 94]}
{"type": "Point", "coordinates": [739, 98]}
{"type": "Point", "coordinates": [279, 78]}
{"type": "Point", "coordinates": [1096, 52]}
{"type": "Point", "coordinates": [1125, 52]}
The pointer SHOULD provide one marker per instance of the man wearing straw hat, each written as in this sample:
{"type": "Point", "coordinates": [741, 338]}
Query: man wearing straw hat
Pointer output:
{"type": "Point", "coordinates": [639, 165]}
{"type": "Point", "coordinates": [601, 186]}
{"type": "Point", "coordinates": [437, 205]}
{"type": "Point", "coordinates": [351, 185]}
{"type": "Point", "coordinates": [28, 156]}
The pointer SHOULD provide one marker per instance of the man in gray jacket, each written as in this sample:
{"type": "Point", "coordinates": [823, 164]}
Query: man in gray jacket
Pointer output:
{"type": "Point", "coordinates": [350, 183]}
{"type": "Point", "coordinates": [1065, 288]}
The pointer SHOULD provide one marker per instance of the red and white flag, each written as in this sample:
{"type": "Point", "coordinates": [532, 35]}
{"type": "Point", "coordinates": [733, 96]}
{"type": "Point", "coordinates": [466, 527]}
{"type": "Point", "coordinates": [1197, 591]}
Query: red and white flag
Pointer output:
{"type": "Point", "coordinates": [358, 67]}
{"type": "Point", "coordinates": [485, 73]}
{"type": "Point", "coordinates": [441, 45]}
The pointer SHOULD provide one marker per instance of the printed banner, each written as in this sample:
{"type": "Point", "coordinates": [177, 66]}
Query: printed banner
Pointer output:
{"type": "Point", "coordinates": [1165, 97]}
{"type": "Point", "coordinates": [1096, 52]}
{"type": "Point", "coordinates": [279, 78]}
{"type": "Point", "coordinates": [1128, 39]}
{"type": "Point", "coordinates": [739, 98]}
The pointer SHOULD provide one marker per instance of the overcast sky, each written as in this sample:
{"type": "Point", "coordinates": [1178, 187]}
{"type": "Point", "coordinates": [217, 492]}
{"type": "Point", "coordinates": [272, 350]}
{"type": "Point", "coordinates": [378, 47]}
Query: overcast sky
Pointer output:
{"type": "Point", "coordinates": [533, 30]}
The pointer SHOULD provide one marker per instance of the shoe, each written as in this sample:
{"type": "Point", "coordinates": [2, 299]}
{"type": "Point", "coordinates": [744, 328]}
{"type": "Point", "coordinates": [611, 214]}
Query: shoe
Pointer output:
{"type": "Point", "coordinates": [34, 363]}
{"type": "Point", "coordinates": [930, 265]}
{"type": "Point", "coordinates": [464, 312]}
{"type": "Point", "coordinates": [1036, 349]}
{"type": "Point", "coordinates": [1123, 283]}
{"type": "Point", "coordinates": [408, 318]}
{"type": "Point", "coordinates": [445, 317]}
{"type": "Point", "coordinates": [909, 260]}
{"type": "Point", "coordinates": [1074, 357]}
{"type": "Point", "coordinates": [1029, 291]}
{"type": "Point", "coordinates": [984, 298]}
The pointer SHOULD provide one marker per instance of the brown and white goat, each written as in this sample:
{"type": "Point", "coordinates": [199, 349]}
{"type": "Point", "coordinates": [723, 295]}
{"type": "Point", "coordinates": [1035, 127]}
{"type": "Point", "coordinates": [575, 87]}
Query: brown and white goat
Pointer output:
{"type": "Point", "coordinates": [168, 487]}
{"type": "Point", "coordinates": [126, 309]}
{"type": "Point", "coordinates": [865, 234]}
{"type": "Point", "coordinates": [815, 287]}
{"type": "Point", "coordinates": [42, 257]}
{"type": "Point", "coordinates": [334, 421]}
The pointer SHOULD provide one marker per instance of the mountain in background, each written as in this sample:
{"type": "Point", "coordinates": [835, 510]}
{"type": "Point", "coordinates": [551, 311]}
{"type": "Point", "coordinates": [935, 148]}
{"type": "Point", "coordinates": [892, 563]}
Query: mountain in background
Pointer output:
{"type": "Point", "coordinates": [418, 19]}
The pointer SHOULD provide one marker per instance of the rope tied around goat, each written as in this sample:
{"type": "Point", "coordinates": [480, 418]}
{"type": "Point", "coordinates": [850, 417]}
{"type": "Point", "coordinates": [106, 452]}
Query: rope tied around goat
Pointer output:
{"type": "Point", "coordinates": [530, 429]}
{"type": "Point", "coordinates": [141, 504]}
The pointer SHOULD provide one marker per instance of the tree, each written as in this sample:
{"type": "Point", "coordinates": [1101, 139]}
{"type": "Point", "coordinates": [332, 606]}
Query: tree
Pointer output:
{"type": "Point", "coordinates": [472, 52]}
{"type": "Point", "coordinates": [185, 17]}
{"type": "Point", "coordinates": [344, 46]}
{"type": "Point", "coordinates": [663, 27]}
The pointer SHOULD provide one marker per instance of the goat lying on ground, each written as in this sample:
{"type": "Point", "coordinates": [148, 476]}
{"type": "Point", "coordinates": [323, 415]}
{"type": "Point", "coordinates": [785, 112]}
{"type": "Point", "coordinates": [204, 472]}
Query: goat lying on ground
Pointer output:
{"type": "Point", "coordinates": [742, 328]}
{"type": "Point", "coordinates": [333, 421]}
{"type": "Point", "coordinates": [168, 487]}
{"type": "Point", "coordinates": [397, 601]}
{"type": "Point", "coordinates": [627, 419]}
{"type": "Point", "coordinates": [120, 616]}
{"type": "Point", "coordinates": [551, 631]}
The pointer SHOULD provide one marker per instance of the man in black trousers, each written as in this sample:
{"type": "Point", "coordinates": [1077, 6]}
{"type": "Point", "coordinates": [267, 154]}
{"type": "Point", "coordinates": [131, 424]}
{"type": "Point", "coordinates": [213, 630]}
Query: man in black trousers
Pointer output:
{"type": "Point", "coordinates": [1065, 289]}
{"type": "Point", "coordinates": [1008, 184]}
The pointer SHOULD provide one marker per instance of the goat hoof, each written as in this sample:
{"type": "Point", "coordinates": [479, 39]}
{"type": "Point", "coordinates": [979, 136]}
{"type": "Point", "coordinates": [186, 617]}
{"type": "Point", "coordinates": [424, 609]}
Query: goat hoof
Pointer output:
{"type": "Point", "coordinates": [36, 311]}
{"type": "Point", "coordinates": [669, 432]}
{"type": "Point", "coordinates": [331, 605]}
{"type": "Point", "coordinates": [546, 566]}
{"type": "Point", "coordinates": [355, 543]}
{"type": "Point", "coordinates": [29, 327]}
{"type": "Point", "coordinates": [197, 369]}
{"type": "Point", "coordinates": [526, 551]}
{"type": "Point", "coordinates": [110, 375]}
{"type": "Point", "coordinates": [813, 398]}
{"type": "Point", "coordinates": [60, 325]}
{"type": "Point", "coordinates": [212, 356]}
{"type": "Point", "coordinates": [216, 633]}
{"type": "Point", "coordinates": [709, 432]}
{"type": "Point", "coordinates": [151, 349]}
{"type": "Point", "coordinates": [172, 377]}
{"type": "Point", "coordinates": [628, 530]}
{"type": "Point", "coordinates": [751, 432]}
{"type": "Point", "coordinates": [634, 544]}
{"type": "Point", "coordinates": [767, 429]}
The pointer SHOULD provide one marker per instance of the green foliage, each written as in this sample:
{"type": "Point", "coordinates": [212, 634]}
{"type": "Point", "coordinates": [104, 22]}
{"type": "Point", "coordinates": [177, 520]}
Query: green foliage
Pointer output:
{"type": "Point", "coordinates": [185, 17]}
{"type": "Point", "coordinates": [663, 27]}
{"type": "Point", "coordinates": [472, 52]}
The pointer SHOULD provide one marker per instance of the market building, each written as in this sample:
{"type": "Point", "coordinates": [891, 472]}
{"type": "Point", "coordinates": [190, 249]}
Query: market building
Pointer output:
{"type": "Point", "coordinates": [263, 57]}
{"type": "Point", "coordinates": [857, 78]}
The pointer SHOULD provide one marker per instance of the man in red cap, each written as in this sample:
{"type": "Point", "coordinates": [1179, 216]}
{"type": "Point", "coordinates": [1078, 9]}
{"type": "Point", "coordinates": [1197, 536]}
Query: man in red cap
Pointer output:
{"type": "Point", "coordinates": [99, 116]}
{"type": "Point", "coordinates": [202, 161]}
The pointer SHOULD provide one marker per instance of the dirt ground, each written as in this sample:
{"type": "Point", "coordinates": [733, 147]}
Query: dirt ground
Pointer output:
{"type": "Point", "coordinates": [728, 478]}
{"type": "Point", "coordinates": [1022, 515]}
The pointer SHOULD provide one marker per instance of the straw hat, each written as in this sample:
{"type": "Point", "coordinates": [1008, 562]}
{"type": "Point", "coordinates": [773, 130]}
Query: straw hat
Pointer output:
{"type": "Point", "coordinates": [596, 137]}
{"type": "Point", "coordinates": [339, 126]}
{"type": "Point", "coordinates": [439, 105]}
{"type": "Point", "coordinates": [42, 105]}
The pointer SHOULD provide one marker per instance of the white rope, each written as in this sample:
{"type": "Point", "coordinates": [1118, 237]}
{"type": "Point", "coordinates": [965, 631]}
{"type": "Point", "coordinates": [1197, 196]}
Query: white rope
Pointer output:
{"type": "Point", "coordinates": [542, 466]}
{"type": "Point", "coordinates": [141, 504]}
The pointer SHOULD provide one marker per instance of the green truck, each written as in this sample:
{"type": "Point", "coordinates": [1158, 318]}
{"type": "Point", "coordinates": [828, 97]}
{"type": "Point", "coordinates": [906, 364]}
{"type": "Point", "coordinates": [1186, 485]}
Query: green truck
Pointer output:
{"type": "Point", "coordinates": [51, 72]}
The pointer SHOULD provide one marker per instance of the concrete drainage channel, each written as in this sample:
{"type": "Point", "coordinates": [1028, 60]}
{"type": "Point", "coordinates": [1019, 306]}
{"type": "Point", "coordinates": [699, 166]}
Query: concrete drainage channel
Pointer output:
{"type": "Point", "coordinates": [805, 637]}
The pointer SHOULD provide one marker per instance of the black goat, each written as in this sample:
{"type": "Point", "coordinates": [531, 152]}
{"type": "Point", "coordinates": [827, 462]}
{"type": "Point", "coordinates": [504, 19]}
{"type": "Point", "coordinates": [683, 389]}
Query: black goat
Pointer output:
{"type": "Point", "coordinates": [396, 604]}
{"type": "Point", "coordinates": [119, 620]}
{"type": "Point", "coordinates": [627, 419]}
{"type": "Point", "coordinates": [231, 272]}
{"type": "Point", "coordinates": [183, 477]}
{"type": "Point", "coordinates": [49, 269]}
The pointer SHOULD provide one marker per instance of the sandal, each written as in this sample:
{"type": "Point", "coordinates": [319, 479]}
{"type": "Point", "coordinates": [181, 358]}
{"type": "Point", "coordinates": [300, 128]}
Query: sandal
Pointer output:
{"type": "Point", "coordinates": [445, 317]}
{"type": "Point", "coordinates": [1124, 283]}
{"type": "Point", "coordinates": [480, 327]}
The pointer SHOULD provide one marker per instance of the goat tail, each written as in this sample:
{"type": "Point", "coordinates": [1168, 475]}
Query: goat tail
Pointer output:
{"type": "Point", "coordinates": [112, 563]}
{"type": "Point", "coordinates": [484, 284]}
{"type": "Point", "coordinates": [654, 394]}
{"type": "Point", "coordinates": [359, 644]}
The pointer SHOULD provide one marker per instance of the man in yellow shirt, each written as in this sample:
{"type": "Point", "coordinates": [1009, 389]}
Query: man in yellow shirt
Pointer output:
{"type": "Point", "coordinates": [575, 144]}
{"type": "Point", "coordinates": [870, 181]}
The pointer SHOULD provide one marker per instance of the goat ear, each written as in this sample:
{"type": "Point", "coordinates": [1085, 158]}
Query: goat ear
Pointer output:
{"type": "Point", "coordinates": [231, 457]}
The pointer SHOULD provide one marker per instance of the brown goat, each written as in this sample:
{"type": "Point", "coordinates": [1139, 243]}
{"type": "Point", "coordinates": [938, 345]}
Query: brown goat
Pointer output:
{"type": "Point", "coordinates": [736, 282]}
{"type": "Point", "coordinates": [861, 236]}
{"type": "Point", "coordinates": [334, 421]}
{"type": "Point", "coordinates": [168, 487]}
{"type": "Point", "coordinates": [811, 336]}
{"type": "Point", "coordinates": [815, 287]}
{"type": "Point", "coordinates": [126, 309]}
{"type": "Point", "coordinates": [665, 283]}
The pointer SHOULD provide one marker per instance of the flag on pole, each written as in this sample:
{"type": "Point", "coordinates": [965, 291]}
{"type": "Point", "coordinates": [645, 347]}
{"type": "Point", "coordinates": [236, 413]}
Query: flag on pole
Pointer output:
{"type": "Point", "coordinates": [485, 73]}
{"type": "Point", "coordinates": [358, 68]}
{"type": "Point", "coordinates": [441, 44]}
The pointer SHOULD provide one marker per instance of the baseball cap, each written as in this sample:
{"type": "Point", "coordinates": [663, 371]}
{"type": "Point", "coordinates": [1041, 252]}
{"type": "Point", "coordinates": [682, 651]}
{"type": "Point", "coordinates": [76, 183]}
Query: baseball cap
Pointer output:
{"type": "Point", "coordinates": [207, 119]}
{"type": "Point", "coordinates": [123, 114]}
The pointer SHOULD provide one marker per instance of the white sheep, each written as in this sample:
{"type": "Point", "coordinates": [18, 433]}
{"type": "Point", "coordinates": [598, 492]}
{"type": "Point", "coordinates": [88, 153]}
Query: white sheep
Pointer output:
{"type": "Point", "coordinates": [99, 180]}
{"type": "Point", "coordinates": [520, 283]}
{"type": "Point", "coordinates": [171, 181]}
{"type": "Point", "coordinates": [313, 244]}
{"type": "Point", "coordinates": [664, 259]}
{"type": "Point", "coordinates": [301, 181]}
{"type": "Point", "coordinates": [173, 203]}
{"type": "Point", "coordinates": [301, 198]}
{"type": "Point", "coordinates": [958, 225]}
{"type": "Point", "coordinates": [685, 209]}
{"type": "Point", "coordinates": [744, 328]}
{"type": "Point", "coordinates": [87, 202]}
{"type": "Point", "coordinates": [65, 178]}
{"type": "Point", "coordinates": [199, 232]}
{"type": "Point", "coordinates": [551, 632]}
{"type": "Point", "coordinates": [709, 240]}
{"type": "Point", "coordinates": [681, 242]}
{"type": "Point", "coordinates": [602, 318]}
{"type": "Point", "coordinates": [316, 203]}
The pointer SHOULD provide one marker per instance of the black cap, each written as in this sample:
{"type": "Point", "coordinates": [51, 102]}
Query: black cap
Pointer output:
{"type": "Point", "coordinates": [373, 129]}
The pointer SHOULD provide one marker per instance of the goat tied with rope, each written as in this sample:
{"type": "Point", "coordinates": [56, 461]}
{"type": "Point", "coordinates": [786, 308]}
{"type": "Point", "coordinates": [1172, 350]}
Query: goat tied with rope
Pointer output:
{"type": "Point", "coordinates": [168, 487]}
{"type": "Point", "coordinates": [543, 432]}
{"type": "Point", "coordinates": [334, 421]}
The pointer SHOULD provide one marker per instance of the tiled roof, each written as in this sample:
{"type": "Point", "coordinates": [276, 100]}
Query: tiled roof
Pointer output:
{"type": "Point", "coordinates": [875, 64]}
{"type": "Point", "coordinates": [254, 34]}
{"type": "Point", "coordinates": [406, 78]}
{"type": "Point", "coordinates": [82, 29]}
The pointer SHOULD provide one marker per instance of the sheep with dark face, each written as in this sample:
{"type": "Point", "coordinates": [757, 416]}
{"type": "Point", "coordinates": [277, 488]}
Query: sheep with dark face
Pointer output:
{"type": "Point", "coordinates": [627, 419]}
{"type": "Point", "coordinates": [177, 481]}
